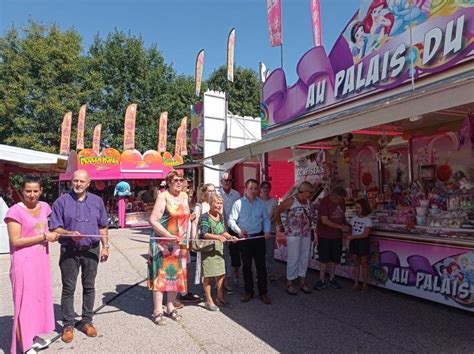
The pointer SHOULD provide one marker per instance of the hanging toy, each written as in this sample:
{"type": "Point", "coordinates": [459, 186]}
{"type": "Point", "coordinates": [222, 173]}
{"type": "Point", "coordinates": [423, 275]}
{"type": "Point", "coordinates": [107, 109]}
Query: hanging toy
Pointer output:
{"type": "Point", "coordinates": [122, 189]}
{"type": "Point", "coordinates": [346, 144]}
{"type": "Point", "coordinates": [383, 155]}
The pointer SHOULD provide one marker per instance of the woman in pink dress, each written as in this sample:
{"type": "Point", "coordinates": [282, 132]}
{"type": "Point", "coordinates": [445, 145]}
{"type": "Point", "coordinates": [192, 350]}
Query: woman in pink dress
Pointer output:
{"type": "Point", "coordinates": [30, 274]}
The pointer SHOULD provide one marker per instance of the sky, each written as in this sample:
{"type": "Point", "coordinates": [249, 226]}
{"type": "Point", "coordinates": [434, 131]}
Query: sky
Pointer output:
{"type": "Point", "coordinates": [180, 28]}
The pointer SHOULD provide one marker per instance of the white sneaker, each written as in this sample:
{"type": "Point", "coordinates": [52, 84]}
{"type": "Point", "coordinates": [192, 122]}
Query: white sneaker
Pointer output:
{"type": "Point", "coordinates": [31, 351]}
{"type": "Point", "coordinates": [40, 343]}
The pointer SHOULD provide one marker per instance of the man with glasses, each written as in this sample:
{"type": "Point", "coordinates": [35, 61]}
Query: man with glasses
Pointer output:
{"type": "Point", "coordinates": [75, 214]}
{"type": "Point", "coordinates": [249, 219]}
{"type": "Point", "coordinates": [231, 250]}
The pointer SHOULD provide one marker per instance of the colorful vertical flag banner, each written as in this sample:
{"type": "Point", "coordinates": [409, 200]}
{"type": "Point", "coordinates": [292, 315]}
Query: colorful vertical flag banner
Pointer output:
{"type": "Point", "coordinates": [199, 68]}
{"type": "Point", "coordinates": [177, 144]}
{"type": "Point", "coordinates": [230, 55]}
{"type": "Point", "coordinates": [81, 122]}
{"type": "Point", "coordinates": [183, 137]}
{"type": "Point", "coordinates": [66, 134]}
{"type": "Point", "coordinates": [163, 132]}
{"type": "Point", "coordinates": [316, 22]}
{"type": "Point", "coordinates": [129, 127]}
{"type": "Point", "coordinates": [263, 72]}
{"type": "Point", "coordinates": [274, 22]}
{"type": "Point", "coordinates": [96, 138]}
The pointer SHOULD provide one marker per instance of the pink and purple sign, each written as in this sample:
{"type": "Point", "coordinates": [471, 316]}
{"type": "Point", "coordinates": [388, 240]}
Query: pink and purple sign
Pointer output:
{"type": "Point", "coordinates": [386, 44]}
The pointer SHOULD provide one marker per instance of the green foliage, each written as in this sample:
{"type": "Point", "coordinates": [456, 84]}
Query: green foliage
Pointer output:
{"type": "Point", "coordinates": [243, 94]}
{"type": "Point", "coordinates": [41, 78]}
{"type": "Point", "coordinates": [45, 72]}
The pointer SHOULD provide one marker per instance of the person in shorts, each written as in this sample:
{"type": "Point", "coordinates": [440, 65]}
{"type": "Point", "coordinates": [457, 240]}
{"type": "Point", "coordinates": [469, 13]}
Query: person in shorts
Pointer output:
{"type": "Point", "coordinates": [331, 226]}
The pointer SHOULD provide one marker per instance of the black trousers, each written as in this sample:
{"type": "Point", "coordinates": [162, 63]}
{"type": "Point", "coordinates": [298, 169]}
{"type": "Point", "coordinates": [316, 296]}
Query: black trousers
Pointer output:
{"type": "Point", "coordinates": [234, 251]}
{"type": "Point", "coordinates": [70, 262]}
{"type": "Point", "coordinates": [254, 250]}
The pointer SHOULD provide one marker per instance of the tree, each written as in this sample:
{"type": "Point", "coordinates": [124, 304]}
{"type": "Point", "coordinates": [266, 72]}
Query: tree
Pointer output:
{"type": "Point", "coordinates": [243, 94]}
{"type": "Point", "coordinates": [131, 73]}
{"type": "Point", "coordinates": [41, 78]}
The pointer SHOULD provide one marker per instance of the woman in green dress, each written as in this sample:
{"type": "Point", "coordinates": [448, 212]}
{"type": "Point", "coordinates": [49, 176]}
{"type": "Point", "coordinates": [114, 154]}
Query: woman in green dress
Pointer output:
{"type": "Point", "coordinates": [213, 265]}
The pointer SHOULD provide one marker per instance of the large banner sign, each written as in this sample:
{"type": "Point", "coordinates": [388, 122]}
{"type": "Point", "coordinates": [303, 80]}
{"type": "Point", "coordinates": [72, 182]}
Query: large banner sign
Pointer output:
{"type": "Point", "coordinates": [111, 164]}
{"type": "Point", "coordinates": [443, 274]}
{"type": "Point", "coordinates": [386, 44]}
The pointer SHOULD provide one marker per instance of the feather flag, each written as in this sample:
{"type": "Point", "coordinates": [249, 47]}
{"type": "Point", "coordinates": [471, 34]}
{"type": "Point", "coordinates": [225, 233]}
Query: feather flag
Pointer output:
{"type": "Point", "coordinates": [177, 144]}
{"type": "Point", "coordinates": [129, 127]}
{"type": "Point", "coordinates": [230, 55]}
{"type": "Point", "coordinates": [316, 22]}
{"type": "Point", "coordinates": [163, 132]}
{"type": "Point", "coordinates": [198, 73]}
{"type": "Point", "coordinates": [80, 128]}
{"type": "Point", "coordinates": [66, 134]}
{"type": "Point", "coordinates": [183, 137]}
{"type": "Point", "coordinates": [96, 138]}
{"type": "Point", "coordinates": [263, 72]}
{"type": "Point", "coordinates": [274, 22]}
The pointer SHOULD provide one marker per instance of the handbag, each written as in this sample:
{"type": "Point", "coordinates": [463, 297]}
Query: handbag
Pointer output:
{"type": "Point", "coordinates": [202, 245]}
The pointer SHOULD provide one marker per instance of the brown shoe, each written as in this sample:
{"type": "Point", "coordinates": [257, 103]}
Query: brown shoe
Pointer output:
{"type": "Point", "coordinates": [246, 298]}
{"type": "Point", "coordinates": [68, 334]}
{"type": "Point", "coordinates": [89, 330]}
{"type": "Point", "coordinates": [265, 299]}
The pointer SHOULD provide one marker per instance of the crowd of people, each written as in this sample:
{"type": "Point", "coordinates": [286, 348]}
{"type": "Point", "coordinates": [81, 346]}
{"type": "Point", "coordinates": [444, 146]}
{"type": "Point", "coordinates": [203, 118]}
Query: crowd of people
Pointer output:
{"type": "Point", "coordinates": [231, 235]}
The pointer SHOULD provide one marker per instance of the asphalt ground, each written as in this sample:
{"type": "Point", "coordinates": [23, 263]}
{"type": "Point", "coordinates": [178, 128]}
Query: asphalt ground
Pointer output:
{"type": "Point", "coordinates": [327, 321]}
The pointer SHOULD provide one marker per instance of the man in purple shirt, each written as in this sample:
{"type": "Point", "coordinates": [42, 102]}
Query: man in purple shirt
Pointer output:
{"type": "Point", "coordinates": [75, 214]}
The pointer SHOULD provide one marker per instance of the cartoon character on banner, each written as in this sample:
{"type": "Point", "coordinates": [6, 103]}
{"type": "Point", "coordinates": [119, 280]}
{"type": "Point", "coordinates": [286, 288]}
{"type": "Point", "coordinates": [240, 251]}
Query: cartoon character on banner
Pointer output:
{"type": "Point", "coordinates": [346, 145]}
{"type": "Point", "coordinates": [360, 41]}
{"type": "Point", "coordinates": [378, 23]}
{"type": "Point", "coordinates": [122, 190]}
{"type": "Point", "coordinates": [408, 13]}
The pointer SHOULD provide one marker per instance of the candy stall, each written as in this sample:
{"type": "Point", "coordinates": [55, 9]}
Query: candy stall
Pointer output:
{"type": "Point", "coordinates": [127, 181]}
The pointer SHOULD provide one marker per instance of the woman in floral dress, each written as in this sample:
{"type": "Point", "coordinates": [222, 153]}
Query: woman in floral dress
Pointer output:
{"type": "Point", "coordinates": [297, 229]}
{"type": "Point", "coordinates": [167, 258]}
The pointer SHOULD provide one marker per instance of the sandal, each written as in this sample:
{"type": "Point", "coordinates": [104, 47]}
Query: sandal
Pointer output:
{"type": "Point", "coordinates": [364, 288]}
{"type": "Point", "coordinates": [158, 319]}
{"type": "Point", "coordinates": [175, 316]}
{"type": "Point", "coordinates": [291, 290]}
{"type": "Point", "coordinates": [355, 287]}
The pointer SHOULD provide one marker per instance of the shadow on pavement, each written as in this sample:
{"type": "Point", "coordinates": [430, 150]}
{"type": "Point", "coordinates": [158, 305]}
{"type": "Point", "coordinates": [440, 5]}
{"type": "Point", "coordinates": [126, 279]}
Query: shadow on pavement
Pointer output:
{"type": "Point", "coordinates": [327, 320]}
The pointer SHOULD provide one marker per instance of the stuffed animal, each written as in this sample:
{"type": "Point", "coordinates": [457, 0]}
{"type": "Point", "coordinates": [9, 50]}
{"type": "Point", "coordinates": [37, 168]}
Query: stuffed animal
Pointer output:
{"type": "Point", "coordinates": [122, 189]}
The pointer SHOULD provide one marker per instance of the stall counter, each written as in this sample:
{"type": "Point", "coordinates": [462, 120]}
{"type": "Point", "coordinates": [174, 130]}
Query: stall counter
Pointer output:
{"type": "Point", "coordinates": [433, 267]}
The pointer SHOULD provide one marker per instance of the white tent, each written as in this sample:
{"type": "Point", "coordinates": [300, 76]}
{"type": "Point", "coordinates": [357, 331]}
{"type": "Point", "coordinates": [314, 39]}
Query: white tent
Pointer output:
{"type": "Point", "coordinates": [4, 242]}
{"type": "Point", "coordinates": [31, 159]}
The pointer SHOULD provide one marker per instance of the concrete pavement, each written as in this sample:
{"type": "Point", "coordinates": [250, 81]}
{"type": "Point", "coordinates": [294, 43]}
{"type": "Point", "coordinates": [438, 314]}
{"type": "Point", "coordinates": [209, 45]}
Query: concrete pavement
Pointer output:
{"type": "Point", "coordinates": [325, 321]}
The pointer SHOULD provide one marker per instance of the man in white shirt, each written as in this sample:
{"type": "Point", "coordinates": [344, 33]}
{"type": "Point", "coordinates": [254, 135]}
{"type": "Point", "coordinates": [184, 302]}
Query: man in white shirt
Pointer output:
{"type": "Point", "coordinates": [232, 250]}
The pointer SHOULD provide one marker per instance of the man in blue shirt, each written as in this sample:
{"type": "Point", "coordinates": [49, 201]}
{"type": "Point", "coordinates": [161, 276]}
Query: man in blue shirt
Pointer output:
{"type": "Point", "coordinates": [74, 214]}
{"type": "Point", "coordinates": [249, 219]}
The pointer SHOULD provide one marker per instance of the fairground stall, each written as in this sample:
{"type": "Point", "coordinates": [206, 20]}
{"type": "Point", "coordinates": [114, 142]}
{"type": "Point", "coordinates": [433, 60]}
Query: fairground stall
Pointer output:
{"type": "Point", "coordinates": [388, 115]}
{"type": "Point", "coordinates": [127, 181]}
